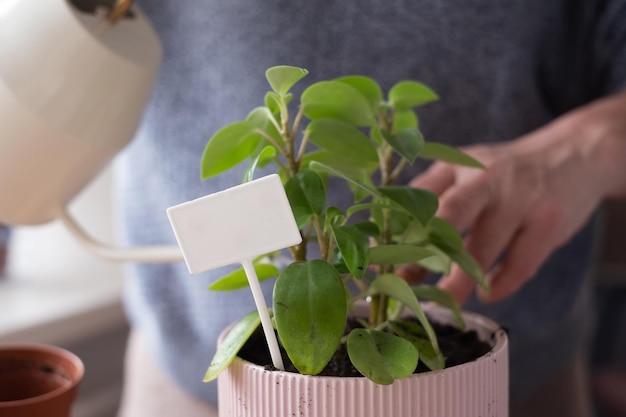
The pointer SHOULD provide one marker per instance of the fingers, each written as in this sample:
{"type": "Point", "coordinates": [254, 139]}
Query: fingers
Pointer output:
{"type": "Point", "coordinates": [488, 239]}
{"type": "Point", "coordinates": [525, 255]}
{"type": "Point", "coordinates": [462, 204]}
{"type": "Point", "coordinates": [474, 203]}
{"type": "Point", "coordinates": [463, 192]}
{"type": "Point", "coordinates": [437, 178]}
{"type": "Point", "coordinates": [524, 243]}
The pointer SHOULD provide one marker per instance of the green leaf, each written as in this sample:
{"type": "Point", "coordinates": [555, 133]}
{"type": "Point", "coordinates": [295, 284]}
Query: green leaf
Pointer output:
{"type": "Point", "coordinates": [366, 86]}
{"type": "Point", "coordinates": [404, 119]}
{"type": "Point", "coordinates": [272, 102]}
{"type": "Point", "coordinates": [266, 154]}
{"type": "Point", "coordinates": [238, 278]}
{"type": "Point", "coordinates": [413, 234]}
{"type": "Point", "coordinates": [354, 248]}
{"type": "Point", "coordinates": [396, 287]}
{"type": "Point", "coordinates": [441, 297]}
{"type": "Point", "coordinates": [399, 222]}
{"type": "Point", "coordinates": [333, 217]}
{"type": "Point", "coordinates": [228, 147]}
{"type": "Point", "coordinates": [407, 143]}
{"type": "Point", "coordinates": [381, 357]}
{"type": "Point", "coordinates": [397, 254]}
{"type": "Point", "coordinates": [468, 264]}
{"type": "Point", "coordinates": [372, 206]}
{"type": "Point", "coordinates": [336, 100]}
{"type": "Point", "coordinates": [339, 264]}
{"type": "Point", "coordinates": [262, 119]}
{"type": "Point", "coordinates": [408, 94]}
{"type": "Point", "coordinates": [376, 135]}
{"type": "Point", "coordinates": [419, 203]}
{"type": "Point", "coordinates": [283, 77]}
{"type": "Point", "coordinates": [368, 228]}
{"type": "Point", "coordinates": [319, 167]}
{"type": "Point", "coordinates": [440, 262]}
{"type": "Point", "coordinates": [415, 334]}
{"type": "Point", "coordinates": [360, 193]}
{"type": "Point", "coordinates": [232, 343]}
{"type": "Point", "coordinates": [408, 329]}
{"type": "Point", "coordinates": [354, 168]}
{"type": "Point", "coordinates": [341, 138]}
{"type": "Point", "coordinates": [441, 152]}
{"type": "Point", "coordinates": [306, 194]}
{"type": "Point", "coordinates": [394, 308]}
{"type": "Point", "coordinates": [444, 235]}
{"type": "Point", "coordinates": [310, 312]}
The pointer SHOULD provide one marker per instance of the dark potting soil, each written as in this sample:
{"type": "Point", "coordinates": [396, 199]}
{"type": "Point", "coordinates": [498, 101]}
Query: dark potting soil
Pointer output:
{"type": "Point", "coordinates": [458, 347]}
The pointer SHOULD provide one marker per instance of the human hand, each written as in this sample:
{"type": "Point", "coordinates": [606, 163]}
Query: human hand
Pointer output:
{"type": "Point", "coordinates": [533, 196]}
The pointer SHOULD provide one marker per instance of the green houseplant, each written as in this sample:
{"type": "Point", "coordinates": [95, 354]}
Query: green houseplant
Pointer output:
{"type": "Point", "coordinates": [346, 129]}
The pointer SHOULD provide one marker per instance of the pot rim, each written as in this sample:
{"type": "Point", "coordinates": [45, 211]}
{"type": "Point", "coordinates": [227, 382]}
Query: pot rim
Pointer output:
{"type": "Point", "coordinates": [8, 348]}
{"type": "Point", "coordinates": [499, 342]}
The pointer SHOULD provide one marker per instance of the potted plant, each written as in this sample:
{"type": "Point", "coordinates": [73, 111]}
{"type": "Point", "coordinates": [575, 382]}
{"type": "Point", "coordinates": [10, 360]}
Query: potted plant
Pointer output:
{"type": "Point", "coordinates": [38, 380]}
{"type": "Point", "coordinates": [349, 257]}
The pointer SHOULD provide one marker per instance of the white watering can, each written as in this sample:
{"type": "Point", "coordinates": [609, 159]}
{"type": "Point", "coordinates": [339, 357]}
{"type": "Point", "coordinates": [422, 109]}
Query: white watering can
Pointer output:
{"type": "Point", "coordinates": [73, 87]}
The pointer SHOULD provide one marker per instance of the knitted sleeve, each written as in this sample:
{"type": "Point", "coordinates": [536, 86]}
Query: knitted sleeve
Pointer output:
{"type": "Point", "coordinates": [610, 46]}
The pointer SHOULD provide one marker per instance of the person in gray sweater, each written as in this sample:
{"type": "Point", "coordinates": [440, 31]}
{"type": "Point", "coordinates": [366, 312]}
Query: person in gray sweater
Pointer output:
{"type": "Point", "coordinates": [535, 89]}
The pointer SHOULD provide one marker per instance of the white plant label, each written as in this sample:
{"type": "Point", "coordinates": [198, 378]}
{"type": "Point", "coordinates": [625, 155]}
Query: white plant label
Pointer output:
{"type": "Point", "coordinates": [235, 226]}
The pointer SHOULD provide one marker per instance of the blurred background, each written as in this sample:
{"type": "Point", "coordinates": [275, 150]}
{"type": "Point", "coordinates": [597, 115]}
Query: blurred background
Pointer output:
{"type": "Point", "coordinates": [53, 291]}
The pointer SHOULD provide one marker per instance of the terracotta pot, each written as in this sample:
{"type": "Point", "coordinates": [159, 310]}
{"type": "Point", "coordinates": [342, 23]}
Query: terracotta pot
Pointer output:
{"type": "Point", "coordinates": [478, 388]}
{"type": "Point", "coordinates": [38, 380]}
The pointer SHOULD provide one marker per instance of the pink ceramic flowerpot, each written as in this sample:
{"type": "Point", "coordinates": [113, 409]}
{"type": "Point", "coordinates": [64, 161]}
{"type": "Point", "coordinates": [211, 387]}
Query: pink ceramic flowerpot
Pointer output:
{"type": "Point", "coordinates": [474, 389]}
{"type": "Point", "coordinates": [38, 380]}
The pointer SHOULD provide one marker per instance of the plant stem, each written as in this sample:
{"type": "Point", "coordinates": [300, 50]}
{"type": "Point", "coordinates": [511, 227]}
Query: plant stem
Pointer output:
{"type": "Point", "coordinates": [302, 149]}
{"type": "Point", "coordinates": [271, 140]}
{"type": "Point", "coordinates": [378, 313]}
{"type": "Point", "coordinates": [382, 309]}
{"type": "Point", "coordinates": [298, 252]}
{"type": "Point", "coordinates": [382, 325]}
{"type": "Point", "coordinates": [397, 170]}
{"type": "Point", "coordinates": [320, 238]}
{"type": "Point", "coordinates": [291, 160]}
{"type": "Point", "coordinates": [383, 160]}
{"type": "Point", "coordinates": [383, 300]}
{"type": "Point", "coordinates": [374, 306]}
{"type": "Point", "coordinates": [289, 138]}
{"type": "Point", "coordinates": [296, 124]}
{"type": "Point", "coordinates": [362, 286]}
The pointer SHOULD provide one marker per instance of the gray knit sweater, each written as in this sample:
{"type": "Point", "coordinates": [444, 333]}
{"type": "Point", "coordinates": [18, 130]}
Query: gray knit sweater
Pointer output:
{"type": "Point", "coordinates": [502, 68]}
